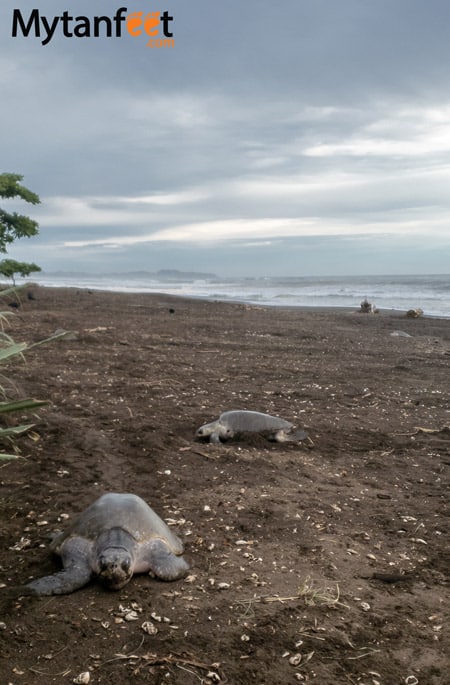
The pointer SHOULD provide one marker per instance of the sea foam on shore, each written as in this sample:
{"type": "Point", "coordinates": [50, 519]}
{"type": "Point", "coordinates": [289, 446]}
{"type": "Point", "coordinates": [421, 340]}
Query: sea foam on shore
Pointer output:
{"type": "Point", "coordinates": [429, 293]}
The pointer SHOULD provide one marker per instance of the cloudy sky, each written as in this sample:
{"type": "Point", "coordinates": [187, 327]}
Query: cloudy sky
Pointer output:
{"type": "Point", "coordinates": [291, 137]}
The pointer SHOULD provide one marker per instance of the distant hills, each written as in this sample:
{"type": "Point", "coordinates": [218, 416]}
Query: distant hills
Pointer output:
{"type": "Point", "coordinates": [161, 275]}
{"type": "Point", "coordinates": [174, 274]}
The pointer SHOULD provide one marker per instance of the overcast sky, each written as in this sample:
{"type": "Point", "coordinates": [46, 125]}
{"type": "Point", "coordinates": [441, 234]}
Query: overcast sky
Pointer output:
{"type": "Point", "coordinates": [291, 137]}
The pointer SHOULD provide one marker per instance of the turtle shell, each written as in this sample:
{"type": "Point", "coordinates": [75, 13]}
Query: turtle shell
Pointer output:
{"type": "Point", "coordinates": [120, 510]}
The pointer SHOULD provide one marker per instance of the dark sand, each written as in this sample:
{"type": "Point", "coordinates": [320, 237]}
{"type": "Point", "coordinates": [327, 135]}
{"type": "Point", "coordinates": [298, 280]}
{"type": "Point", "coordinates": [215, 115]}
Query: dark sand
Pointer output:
{"type": "Point", "coordinates": [336, 551]}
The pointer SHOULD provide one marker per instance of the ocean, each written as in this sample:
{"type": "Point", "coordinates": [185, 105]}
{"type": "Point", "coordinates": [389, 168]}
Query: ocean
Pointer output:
{"type": "Point", "coordinates": [429, 293]}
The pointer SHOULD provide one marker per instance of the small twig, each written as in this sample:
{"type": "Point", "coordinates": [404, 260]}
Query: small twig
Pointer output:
{"type": "Point", "coordinates": [204, 454]}
{"type": "Point", "coordinates": [182, 668]}
{"type": "Point", "coordinates": [362, 656]}
{"type": "Point", "coordinates": [306, 592]}
{"type": "Point", "coordinates": [52, 675]}
{"type": "Point", "coordinates": [312, 637]}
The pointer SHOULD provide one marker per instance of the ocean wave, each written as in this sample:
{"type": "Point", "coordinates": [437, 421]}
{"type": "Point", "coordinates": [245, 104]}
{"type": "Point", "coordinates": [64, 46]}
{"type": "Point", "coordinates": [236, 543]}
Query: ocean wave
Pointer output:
{"type": "Point", "coordinates": [430, 293]}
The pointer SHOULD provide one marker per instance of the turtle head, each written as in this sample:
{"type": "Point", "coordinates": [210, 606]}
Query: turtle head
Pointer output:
{"type": "Point", "coordinates": [214, 431]}
{"type": "Point", "coordinates": [115, 567]}
{"type": "Point", "coordinates": [206, 430]}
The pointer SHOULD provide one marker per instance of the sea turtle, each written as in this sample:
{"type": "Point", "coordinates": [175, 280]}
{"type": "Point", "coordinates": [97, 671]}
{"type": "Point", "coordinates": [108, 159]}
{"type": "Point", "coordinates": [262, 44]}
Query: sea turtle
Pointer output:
{"type": "Point", "coordinates": [116, 536]}
{"type": "Point", "coordinates": [232, 423]}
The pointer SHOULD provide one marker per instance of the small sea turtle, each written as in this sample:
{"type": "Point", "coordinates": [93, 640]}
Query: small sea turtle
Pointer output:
{"type": "Point", "coordinates": [116, 536]}
{"type": "Point", "coordinates": [232, 423]}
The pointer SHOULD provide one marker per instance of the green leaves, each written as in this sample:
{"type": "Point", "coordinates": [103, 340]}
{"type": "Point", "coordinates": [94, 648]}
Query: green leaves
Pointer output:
{"type": "Point", "coordinates": [10, 187]}
{"type": "Point", "coordinates": [9, 349]}
{"type": "Point", "coordinates": [13, 225]}
{"type": "Point", "coordinates": [20, 405]}
{"type": "Point", "coordinates": [10, 268]}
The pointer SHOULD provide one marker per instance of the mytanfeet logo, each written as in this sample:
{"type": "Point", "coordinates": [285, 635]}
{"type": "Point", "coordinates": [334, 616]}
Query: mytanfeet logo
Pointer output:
{"type": "Point", "coordinates": [154, 27]}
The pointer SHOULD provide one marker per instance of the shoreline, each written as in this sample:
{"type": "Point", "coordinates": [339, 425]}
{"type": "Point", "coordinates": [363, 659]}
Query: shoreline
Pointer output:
{"type": "Point", "coordinates": [313, 308]}
{"type": "Point", "coordinates": [396, 293]}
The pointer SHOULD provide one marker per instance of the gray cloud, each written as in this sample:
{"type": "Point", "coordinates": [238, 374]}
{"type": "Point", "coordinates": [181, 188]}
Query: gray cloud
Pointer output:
{"type": "Point", "coordinates": [264, 128]}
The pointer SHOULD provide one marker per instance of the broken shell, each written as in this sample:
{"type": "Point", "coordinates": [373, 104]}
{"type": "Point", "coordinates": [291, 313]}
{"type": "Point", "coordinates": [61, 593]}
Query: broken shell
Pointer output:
{"type": "Point", "coordinates": [365, 606]}
{"type": "Point", "coordinates": [83, 678]}
{"type": "Point", "coordinates": [131, 616]}
{"type": "Point", "coordinates": [245, 638]}
{"type": "Point", "coordinates": [295, 660]}
{"type": "Point", "coordinates": [149, 628]}
{"type": "Point", "coordinates": [223, 586]}
{"type": "Point", "coordinates": [156, 617]}
{"type": "Point", "coordinates": [21, 544]}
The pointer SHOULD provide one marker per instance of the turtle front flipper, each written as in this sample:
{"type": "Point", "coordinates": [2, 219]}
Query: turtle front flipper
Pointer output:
{"type": "Point", "coordinates": [77, 571]}
{"type": "Point", "coordinates": [157, 558]}
{"type": "Point", "coordinates": [61, 583]}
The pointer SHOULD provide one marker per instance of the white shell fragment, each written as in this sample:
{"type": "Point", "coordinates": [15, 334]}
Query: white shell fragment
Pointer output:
{"type": "Point", "coordinates": [149, 628]}
{"type": "Point", "coordinates": [295, 659]}
{"type": "Point", "coordinates": [82, 679]}
{"type": "Point", "coordinates": [131, 616]}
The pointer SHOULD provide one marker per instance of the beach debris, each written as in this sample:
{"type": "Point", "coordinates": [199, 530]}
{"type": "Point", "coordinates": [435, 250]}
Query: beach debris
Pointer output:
{"type": "Point", "coordinates": [367, 307]}
{"type": "Point", "coordinates": [186, 662]}
{"type": "Point", "coordinates": [23, 543]}
{"type": "Point", "coordinates": [149, 628]}
{"type": "Point", "coordinates": [109, 539]}
{"type": "Point", "coordinates": [414, 313]}
{"type": "Point", "coordinates": [233, 423]}
{"type": "Point", "coordinates": [62, 334]}
{"type": "Point", "coordinates": [400, 334]}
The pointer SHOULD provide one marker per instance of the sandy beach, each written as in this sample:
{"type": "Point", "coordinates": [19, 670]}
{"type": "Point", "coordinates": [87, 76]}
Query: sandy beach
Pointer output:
{"type": "Point", "coordinates": [320, 562]}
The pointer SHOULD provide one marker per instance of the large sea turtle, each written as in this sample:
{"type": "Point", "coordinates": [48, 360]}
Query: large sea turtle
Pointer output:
{"type": "Point", "coordinates": [232, 423]}
{"type": "Point", "coordinates": [116, 536]}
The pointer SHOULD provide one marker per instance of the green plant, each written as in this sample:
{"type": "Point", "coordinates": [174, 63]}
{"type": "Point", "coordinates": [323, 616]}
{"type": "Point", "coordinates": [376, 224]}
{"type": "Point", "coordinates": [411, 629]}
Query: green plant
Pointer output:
{"type": "Point", "coordinates": [13, 225]}
{"type": "Point", "coordinates": [9, 349]}
{"type": "Point", "coordinates": [11, 268]}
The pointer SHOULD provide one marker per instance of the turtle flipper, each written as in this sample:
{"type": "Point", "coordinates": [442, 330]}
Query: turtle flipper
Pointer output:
{"type": "Point", "coordinates": [76, 572]}
{"type": "Point", "coordinates": [163, 563]}
{"type": "Point", "coordinates": [298, 436]}
{"type": "Point", "coordinates": [62, 583]}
